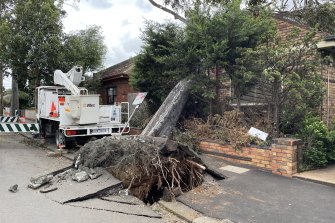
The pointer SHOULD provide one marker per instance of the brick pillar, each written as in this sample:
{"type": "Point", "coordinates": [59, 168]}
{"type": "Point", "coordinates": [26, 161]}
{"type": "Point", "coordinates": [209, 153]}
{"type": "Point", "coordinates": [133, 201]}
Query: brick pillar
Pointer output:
{"type": "Point", "coordinates": [284, 153]}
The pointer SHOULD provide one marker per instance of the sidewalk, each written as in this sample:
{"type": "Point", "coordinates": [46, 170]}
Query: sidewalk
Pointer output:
{"type": "Point", "coordinates": [251, 195]}
{"type": "Point", "coordinates": [322, 176]}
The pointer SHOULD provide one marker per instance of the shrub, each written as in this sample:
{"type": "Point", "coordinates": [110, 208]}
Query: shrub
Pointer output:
{"type": "Point", "coordinates": [319, 143]}
{"type": "Point", "coordinates": [314, 157]}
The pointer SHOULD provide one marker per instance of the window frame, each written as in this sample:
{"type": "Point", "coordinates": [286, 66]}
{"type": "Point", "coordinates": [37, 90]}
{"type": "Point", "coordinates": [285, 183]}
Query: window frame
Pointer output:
{"type": "Point", "coordinates": [111, 99]}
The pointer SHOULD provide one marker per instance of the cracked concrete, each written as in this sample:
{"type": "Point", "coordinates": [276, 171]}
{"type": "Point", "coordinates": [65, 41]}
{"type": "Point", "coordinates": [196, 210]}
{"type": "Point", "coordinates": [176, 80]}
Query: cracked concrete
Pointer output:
{"type": "Point", "coordinates": [18, 162]}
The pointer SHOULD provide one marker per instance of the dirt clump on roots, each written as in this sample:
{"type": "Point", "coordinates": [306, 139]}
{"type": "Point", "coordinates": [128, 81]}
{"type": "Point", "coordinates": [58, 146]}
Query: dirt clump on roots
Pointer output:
{"type": "Point", "coordinates": [146, 165]}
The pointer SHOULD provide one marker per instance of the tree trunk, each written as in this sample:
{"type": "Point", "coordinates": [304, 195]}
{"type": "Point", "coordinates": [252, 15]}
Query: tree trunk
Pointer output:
{"type": "Point", "coordinates": [219, 99]}
{"type": "Point", "coordinates": [1, 92]}
{"type": "Point", "coordinates": [168, 113]}
{"type": "Point", "coordinates": [15, 98]}
{"type": "Point", "coordinates": [276, 92]}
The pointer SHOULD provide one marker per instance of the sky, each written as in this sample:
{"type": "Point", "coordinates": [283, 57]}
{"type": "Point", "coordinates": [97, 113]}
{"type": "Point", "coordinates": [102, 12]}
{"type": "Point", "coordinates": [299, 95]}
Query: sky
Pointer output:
{"type": "Point", "coordinates": [121, 22]}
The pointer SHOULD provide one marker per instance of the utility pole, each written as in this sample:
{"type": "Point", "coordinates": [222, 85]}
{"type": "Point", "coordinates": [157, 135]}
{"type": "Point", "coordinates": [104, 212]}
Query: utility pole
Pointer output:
{"type": "Point", "coordinates": [15, 97]}
{"type": "Point", "coordinates": [1, 92]}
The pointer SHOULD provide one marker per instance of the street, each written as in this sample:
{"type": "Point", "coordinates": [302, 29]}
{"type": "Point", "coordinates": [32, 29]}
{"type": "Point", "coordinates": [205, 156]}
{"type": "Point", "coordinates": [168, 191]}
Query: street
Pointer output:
{"type": "Point", "coordinates": [18, 162]}
{"type": "Point", "coordinates": [252, 195]}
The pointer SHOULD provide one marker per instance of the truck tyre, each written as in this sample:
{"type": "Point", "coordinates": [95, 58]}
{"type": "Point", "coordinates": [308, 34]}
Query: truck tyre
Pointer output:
{"type": "Point", "coordinates": [60, 139]}
{"type": "Point", "coordinates": [42, 130]}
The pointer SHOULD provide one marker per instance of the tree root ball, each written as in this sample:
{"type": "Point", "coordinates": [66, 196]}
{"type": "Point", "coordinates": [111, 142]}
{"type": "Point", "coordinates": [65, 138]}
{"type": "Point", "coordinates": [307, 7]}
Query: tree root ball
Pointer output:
{"type": "Point", "coordinates": [143, 162]}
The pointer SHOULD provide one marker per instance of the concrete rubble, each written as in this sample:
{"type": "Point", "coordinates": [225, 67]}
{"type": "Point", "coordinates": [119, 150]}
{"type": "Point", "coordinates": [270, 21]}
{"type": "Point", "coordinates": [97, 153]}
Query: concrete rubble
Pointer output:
{"type": "Point", "coordinates": [13, 188]}
{"type": "Point", "coordinates": [80, 176]}
{"type": "Point", "coordinates": [38, 181]}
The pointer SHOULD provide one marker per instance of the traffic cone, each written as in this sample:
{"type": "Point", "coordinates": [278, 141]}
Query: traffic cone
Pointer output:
{"type": "Point", "coordinates": [53, 112]}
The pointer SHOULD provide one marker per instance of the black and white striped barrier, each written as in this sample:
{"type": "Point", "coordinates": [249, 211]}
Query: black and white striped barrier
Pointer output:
{"type": "Point", "coordinates": [15, 127]}
{"type": "Point", "coordinates": [9, 119]}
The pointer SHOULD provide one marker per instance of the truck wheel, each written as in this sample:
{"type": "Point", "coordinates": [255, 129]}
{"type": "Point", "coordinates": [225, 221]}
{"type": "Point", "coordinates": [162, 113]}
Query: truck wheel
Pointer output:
{"type": "Point", "coordinates": [42, 130]}
{"type": "Point", "coordinates": [70, 143]}
{"type": "Point", "coordinates": [60, 139]}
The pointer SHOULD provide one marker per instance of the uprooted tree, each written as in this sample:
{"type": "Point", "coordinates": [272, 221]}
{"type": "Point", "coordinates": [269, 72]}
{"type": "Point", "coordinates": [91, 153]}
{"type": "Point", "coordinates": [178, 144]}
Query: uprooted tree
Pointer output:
{"type": "Point", "coordinates": [149, 162]}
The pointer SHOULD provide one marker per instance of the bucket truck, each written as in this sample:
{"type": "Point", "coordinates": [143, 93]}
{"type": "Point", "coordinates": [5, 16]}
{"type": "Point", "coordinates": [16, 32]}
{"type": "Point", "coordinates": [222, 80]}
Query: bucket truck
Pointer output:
{"type": "Point", "coordinates": [69, 112]}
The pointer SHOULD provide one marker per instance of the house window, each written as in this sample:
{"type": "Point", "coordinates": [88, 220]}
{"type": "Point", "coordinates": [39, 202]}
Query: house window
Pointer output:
{"type": "Point", "coordinates": [256, 95]}
{"type": "Point", "coordinates": [111, 95]}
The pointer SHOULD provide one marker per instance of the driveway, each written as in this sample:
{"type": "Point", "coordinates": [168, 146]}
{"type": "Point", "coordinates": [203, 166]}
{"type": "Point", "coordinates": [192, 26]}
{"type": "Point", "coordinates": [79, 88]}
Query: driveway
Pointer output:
{"type": "Point", "coordinates": [18, 162]}
{"type": "Point", "coordinates": [251, 195]}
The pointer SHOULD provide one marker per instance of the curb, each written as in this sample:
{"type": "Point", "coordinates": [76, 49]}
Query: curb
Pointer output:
{"type": "Point", "coordinates": [45, 146]}
{"type": "Point", "coordinates": [180, 210]}
{"type": "Point", "coordinates": [39, 143]}
{"type": "Point", "coordinates": [188, 214]}
{"type": "Point", "coordinates": [314, 181]}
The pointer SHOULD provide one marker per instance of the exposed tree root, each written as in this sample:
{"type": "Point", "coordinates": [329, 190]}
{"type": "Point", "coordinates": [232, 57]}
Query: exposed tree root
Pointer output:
{"type": "Point", "coordinates": [143, 163]}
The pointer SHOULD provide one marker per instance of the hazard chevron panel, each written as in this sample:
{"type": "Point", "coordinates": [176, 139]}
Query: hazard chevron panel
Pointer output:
{"type": "Point", "coordinates": [8, 119]}
{"type": "Point", "coordinates": [15, 127]}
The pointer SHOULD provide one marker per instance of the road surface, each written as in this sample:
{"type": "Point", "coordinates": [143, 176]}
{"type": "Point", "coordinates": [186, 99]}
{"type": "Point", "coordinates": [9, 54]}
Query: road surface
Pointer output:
{"type": "Point", "coordinates": [18, 162]}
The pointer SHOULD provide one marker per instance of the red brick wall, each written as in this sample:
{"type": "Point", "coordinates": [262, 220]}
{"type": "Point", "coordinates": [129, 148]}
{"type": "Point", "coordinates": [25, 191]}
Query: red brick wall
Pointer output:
{"type": "Point", "coordinates": [122, 90]}
{"type": "Point", "coordinates": [280, 158]}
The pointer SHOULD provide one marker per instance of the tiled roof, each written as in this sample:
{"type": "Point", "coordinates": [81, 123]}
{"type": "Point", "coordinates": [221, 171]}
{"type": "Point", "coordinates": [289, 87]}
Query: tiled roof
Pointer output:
{"type": "Point", "coordinates": [116, 70]}
{"type": "Point", "coordinates": [285, 16]}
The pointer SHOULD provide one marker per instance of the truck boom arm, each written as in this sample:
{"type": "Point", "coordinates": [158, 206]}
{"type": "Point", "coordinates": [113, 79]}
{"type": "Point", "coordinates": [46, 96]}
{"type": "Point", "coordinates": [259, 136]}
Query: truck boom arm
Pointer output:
{"type": "Point", "coordinates": [69, 80]}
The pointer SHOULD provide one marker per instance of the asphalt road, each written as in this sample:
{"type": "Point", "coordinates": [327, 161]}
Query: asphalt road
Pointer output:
{"type": "Point", "coordinates": [262, 197]}
{"type": "Point", "coordinates": [18, 162]}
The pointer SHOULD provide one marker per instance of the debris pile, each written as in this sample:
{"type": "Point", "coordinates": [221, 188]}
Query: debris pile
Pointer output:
{"type": "Point", "coordinates": [66, 174]}
{"type": "Point", "coordinates": [145, 164]}
{"type": "Point", "coordinates": [231, 128]}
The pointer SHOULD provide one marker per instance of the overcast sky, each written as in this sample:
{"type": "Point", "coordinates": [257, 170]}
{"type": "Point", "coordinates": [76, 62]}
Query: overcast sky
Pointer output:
{"type": "Point", "coordinates": [121, 22]}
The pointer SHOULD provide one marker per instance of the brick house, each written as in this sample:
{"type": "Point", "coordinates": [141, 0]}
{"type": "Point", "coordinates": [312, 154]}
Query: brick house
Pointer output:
{"type": "Point", "coordinates": [327, 47]}
{"type": "Point", "coordinates": [115, 85]}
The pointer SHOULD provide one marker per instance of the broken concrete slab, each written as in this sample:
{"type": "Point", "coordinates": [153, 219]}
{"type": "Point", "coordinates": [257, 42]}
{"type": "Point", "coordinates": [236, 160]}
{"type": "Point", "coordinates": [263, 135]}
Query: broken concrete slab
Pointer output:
{"type": "Point", "coordinates": [80, 176]}
{"type": "Point", "coordinates": [71, 190]}
{"type": "Point", "coordinates": [99, 204]}
{"type": "Point", "coordinates": [182, 211]}
{"type": "Point", "coordinates": [131, 200]}
{"type": "Point", "coordinates": [38, 181]}
{"type": "Point", "coordinates": [94, 173]}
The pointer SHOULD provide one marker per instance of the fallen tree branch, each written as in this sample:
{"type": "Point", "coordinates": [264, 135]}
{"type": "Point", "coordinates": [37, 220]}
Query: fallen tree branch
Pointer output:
{"type": "Point", "coordinates": [176, 15]}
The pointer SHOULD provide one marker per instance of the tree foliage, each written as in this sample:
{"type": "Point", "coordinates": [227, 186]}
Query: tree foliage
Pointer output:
{"type": "Point", "coordinates": [36, 38]}
{"type": "Point", "coordinates": [34, 44]}
{"type": "Point", "coordinates": [209, 43]}
{"type": "Point", "coordinates": [320, 13]}
{"type": "Point", "coordinates": [5, 11]}
{"type": "Point", "coordinates": [85, 48]}
{"type": "Point", "coordinates": [221, 37]}
{"type": "Point", "coordinates": [321, 16]}
{"type": "Point", "coordinates": [151, 72]}
{"type": "Point", "coordinates": [289, 72]}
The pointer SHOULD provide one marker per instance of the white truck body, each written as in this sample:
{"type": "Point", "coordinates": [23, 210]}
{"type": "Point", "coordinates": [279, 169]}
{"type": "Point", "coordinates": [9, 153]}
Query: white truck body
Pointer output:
{"type": "Point", "coordinates": [72, 112]}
